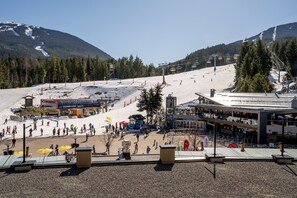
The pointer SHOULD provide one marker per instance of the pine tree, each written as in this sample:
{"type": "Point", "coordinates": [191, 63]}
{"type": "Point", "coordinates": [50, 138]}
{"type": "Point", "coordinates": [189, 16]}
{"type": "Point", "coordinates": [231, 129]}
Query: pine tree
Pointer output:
{"type": "Point", "coordinates": [291, 55]}
{"type": "Point", "coordinates": [158, 97]}
{"type": "Point", "coordinates": [253, 63]}
{"type": "Point", "coordinates": [260, 84]}
{"type": "Point", "coordinates": [150, 101]}
{"type": "Point", "coordinates": [54, 69]}
{"type": "Point", "coordinates": [143, 102]}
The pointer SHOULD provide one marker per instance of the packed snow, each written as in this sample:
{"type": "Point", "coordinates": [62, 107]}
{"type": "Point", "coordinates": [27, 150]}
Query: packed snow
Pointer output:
{"type": "Point", "coordinates": [182, 85]}
{"type": "Point", "coordinates": [39, 48]}
{"type": "Point", "coordinates": [274, 33]}
{"type": "Point", "coordinates": [28, 32]}
{"type": "Point", "coordinates": [12, 23]}
{"type": "Point", "coordinates": [261, 36]}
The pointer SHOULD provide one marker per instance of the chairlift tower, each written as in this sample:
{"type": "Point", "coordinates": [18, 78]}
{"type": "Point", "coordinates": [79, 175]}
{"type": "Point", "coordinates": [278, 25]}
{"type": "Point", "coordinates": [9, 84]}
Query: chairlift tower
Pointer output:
{"type": "Point", "coordinates": [214, 61]}
{"type": "Point", "coordinates": [163, 66]}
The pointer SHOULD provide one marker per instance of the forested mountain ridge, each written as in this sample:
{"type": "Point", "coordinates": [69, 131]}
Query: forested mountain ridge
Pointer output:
{"type": "Point", "coordinates": [28, 71]}
{"type": "Point", "coordinates": [227, 53]}
{"type": "Point", "coordinates": [20, 40]}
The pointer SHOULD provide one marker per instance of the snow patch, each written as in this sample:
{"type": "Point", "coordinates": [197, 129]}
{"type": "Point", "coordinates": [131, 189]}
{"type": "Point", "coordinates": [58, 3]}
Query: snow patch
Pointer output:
{"type": "Point", "coordinates": [6, 29]}
{"type": "Point", "coordinates": [12, 23]}
{"type": "Point", "coordinates": [39, 48]}
{"type": "Point", "coordinates": [261, 36]}
{"type": "Point", "coordinates": [274, 33]}
{"type": "Point", "coordinates": [28, 32]}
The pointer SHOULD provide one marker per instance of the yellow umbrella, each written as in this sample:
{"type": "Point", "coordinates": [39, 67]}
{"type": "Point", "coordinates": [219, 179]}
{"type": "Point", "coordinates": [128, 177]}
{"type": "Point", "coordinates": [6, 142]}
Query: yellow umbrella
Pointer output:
{"type": "Point", "coordinates": [18, 152]}
{"type": "Point", "coordinates": [44, 150]}
{"type": "Point", "coordinates": [64, 148]}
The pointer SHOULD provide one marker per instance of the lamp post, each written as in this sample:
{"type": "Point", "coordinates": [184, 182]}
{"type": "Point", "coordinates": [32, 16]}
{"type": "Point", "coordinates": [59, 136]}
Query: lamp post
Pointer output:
{"type": "Point", "coordinates": [215, 157]}
{"type": "Point", "coordinates": [283, 136]}
{"type": "Point", "coordinates": [215, 140]}
{"type": "Point", "coordinates": [24, 141]}
{"type": "Point", "coordinates": [283, 159]}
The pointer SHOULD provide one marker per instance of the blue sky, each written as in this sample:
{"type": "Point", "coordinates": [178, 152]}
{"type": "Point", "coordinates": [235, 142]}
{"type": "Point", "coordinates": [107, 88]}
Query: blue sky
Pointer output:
{"type": "Point", "coordinates": [157, 31]}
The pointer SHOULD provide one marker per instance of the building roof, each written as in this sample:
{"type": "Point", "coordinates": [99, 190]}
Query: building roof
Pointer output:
{"type": "Point", "coordinates": [233, 179]}
{"type": "Point", "coordinates": [265, 101]}
{"type": "Point", "coordinates": [29, 97]}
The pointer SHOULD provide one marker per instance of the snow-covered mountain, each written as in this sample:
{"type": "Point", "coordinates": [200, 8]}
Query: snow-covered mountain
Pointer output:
{"type": "Point", "coordinates": [20, 40]}
{"type": "Point", "coordinates": [201, 56]}
{"type": "Point", "coordinates": [279, 32]}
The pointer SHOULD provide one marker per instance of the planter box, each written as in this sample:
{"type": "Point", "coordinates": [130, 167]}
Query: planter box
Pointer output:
{"type": "Point", "coordinates": [83, 157]}
{"type": "Point", "coordinates": [127, 156]}
{"type": "Point", "coordinates": [285, 159]}
{"type": "Point", "coordinates": [218, 158]}
{"type": "Point", "coordinates": [167, 154]}
{"type": "Point", "coordinates": [19, 166]}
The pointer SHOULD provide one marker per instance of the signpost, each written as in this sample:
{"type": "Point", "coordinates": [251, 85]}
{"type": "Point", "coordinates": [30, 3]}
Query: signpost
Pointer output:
{"type": "Point", "coordinates": [282, 159]}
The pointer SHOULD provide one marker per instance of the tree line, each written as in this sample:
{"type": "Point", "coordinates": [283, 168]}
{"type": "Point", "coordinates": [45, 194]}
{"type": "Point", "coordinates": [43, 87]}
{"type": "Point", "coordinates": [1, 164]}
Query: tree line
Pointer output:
{"type": "Point", "coordinates": [28, 71]}
{"type": "Point", "coordinates": [204, 57]}
{"type": "Point", "coordinates": [150, 101]}
{"type": "Point", "coordinates": [253, 68]}
{"type": "Point", "coordinates": [286, 50]}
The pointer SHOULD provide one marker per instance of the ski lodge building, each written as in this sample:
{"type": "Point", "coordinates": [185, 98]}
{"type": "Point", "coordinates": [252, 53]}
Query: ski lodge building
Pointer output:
{"type": "Point", "coordinates": [77, 107]}
{"type": "Point", "coordinates": [258, 117]}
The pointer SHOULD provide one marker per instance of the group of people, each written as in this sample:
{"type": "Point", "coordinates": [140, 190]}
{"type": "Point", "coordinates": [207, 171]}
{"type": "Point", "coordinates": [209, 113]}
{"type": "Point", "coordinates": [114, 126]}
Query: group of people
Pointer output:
{"type": "Point", "coordinates": [89, 130]}
{"type": "Point", "coordinates": [148, 148]}
{"type": "Point", "coordinates": [55, 151]}
{"type": "Point", "coordinates": [8, 131]}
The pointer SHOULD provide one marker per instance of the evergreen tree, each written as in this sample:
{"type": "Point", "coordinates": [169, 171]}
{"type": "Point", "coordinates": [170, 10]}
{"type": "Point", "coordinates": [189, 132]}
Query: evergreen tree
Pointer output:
{"type": "Point", "coordinates": [245, 85]}
{"type": "Point", "coordinates": [82, 71]}
{"type": "Point", "coordinates": [253, 63]}
{"type": "Point", "coordinates": [291, 55]}
{"type": "Point", "coordinates": [21, 72]}
{"type": "Point", "coordinates": [158, 98]}
{"type": "Point", "coordinates": [143, 102]}
{"type": "Point", "coordinates": [54, 69]}
{"type": "Point", "coordinates": [90, 69]}
{"type": "Point", "coordinates": [64, 72]}
{"type": "Point", "coordinates": [260, 84]}
{"type": "Point", "coordinates": [43, 74]}
{"type": "Point", "coordinates": [150, 101]}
